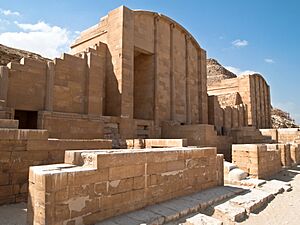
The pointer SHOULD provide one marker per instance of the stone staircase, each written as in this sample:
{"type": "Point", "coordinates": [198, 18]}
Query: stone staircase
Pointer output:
{"type": "Point", "coordinates": [217, 206]}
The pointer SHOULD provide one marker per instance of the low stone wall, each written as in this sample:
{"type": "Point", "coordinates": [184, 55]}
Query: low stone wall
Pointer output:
{"type": "Point", "coordinates": [288, 135]}
{"type": "Point", "coordinates": [7, 123]}
{"type": "Point", "coordinates": [96, 185]}
{"type": "Point", "coordinates": [201, 135]}
{"type": "Point", "coordinates": [257, 159]}
{"type": "Point", "coordinates": [155, 143]}
{"type": "Point", "coordinates": [20, 149]}
{"type": "Point", "coordinates": [71, 125]}
{"type": "Point", "coordinates": [270, 133]}
{"type": "Point", "coordinates": [285, 153]}
{"type": "Point", "coordinates": [283, 135]}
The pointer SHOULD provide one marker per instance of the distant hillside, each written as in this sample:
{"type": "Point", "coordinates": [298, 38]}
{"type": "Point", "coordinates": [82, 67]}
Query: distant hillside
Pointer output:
{"type": "Point", "coordinates": [282, 119]}
{"type": "Point", "coordinates": [8, 54]}
{"type": "Point", "coordinates": [216, 72]}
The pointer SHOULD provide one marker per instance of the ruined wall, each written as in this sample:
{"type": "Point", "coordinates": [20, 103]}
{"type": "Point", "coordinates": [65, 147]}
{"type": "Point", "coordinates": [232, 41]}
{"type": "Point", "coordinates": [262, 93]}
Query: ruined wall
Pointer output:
{"type": "Point", "coordinates": [282, 135]}
{"type": "Point", "coordinates": [72, 86]}
{"type": "Point", "coordinates": [226, 118]}
{"type": "Point", "coordinates": [201, 135]}
{"type": "Point", "coordinates": [20, 149]}
{"type": "Point", "coordinates": [288, 135]}
{"type": "Point", "coordinates": [257, 160]}
{"type": "Point", "coordinates": [215, 114]}
{"type": "Point", "coordinates": [254, 93]}
{"type": "Point", "coordinates": [93, 186]}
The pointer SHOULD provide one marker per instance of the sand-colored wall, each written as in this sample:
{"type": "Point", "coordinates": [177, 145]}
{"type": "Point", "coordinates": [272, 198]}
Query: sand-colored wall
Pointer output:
{"type": "Point", "coordinates": [71, 125]}
{"type": "Point", "coordinates": [257, 160]}
{"type": "Point", "coordinates": [255, 94]}
{"type": "Point", "coordinates": [20, 149]}
{"type": "Point", "coordinates": [71, 84]}
{"type": "Point", "coordinates": [26, 85]}
{"type": "Point", "coordinates": [95, 185]}
{"type": "Point", "coordinates": [176, 63]}
{"type": "Point", "coordinates": [283, 135]}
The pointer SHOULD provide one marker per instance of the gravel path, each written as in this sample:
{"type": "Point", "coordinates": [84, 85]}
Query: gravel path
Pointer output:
{"type": "Point", "coordinates": [284, 209]}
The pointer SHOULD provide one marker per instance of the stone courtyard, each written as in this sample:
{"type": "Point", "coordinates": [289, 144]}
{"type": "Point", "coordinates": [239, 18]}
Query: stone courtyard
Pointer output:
{"type": "Point", "coordinates": [136, 126]}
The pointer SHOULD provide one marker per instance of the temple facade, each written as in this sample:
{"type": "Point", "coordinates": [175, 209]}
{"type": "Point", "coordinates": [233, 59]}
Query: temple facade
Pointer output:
{"type": "Point", "coordinates": [135, 74]}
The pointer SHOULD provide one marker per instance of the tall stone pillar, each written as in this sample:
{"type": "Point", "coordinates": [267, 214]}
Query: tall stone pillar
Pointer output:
{"type": "Point", "coordinates": [257, 105]}
{"type": "Point", "coordinates": [120, 69]}
{"type": "Point", "coordinates": [269, 106]}
{"type": "Point", "coordinates": [120, 66]}
{"type": "Point", "coordinates": [49, 86]}
{"type": "Point", "coordinates": [3, 84]}
{"type": "Point", "coordinates": [127, 63]}
{"type": "Point", "coordinates": [187, 82]}
{"type": "Point", "coordinates": [263, 103]}
{"type": "Point", "coordinates": [203, 103]}
{"type": "Point", "coordinates": [172, 79]}
{"type": "Point", "coordinates": [95, 81]}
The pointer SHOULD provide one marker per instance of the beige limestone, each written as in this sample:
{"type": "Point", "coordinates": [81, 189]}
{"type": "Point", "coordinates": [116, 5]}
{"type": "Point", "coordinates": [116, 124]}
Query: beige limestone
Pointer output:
{"type": "Point", "coordinates": [257, 160]}
{"type": "Point", "coordinates": [101, 184]}
{"type": "Point", "coordinates": [254, 93]}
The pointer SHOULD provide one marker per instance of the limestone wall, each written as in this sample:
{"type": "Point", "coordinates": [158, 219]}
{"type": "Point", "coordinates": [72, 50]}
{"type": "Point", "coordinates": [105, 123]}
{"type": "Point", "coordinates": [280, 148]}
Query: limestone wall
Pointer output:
{"type": "Point", "coordinates": [20, 149]}
{"type": "Point", "coordinates": [201, 135]}
{"type": "Point", "coordinates": [290, 153]}
{"type": "Point", "coordinates": [282, 135]}
{"type": "Point", "coordinates": [226, 118]}
{"type": "Point", "coordinates": [71, 125]}
{"type": "Point", "coordinates": [257, 160]}
{"type": "Point", "coordinates": [288, 135]}
{"type": "Point", "coordinates": [155, 143]}
{"type": "Point", "coordinates": [26, 82]}
{"type": "Point", "coordinates": [96, 185]}
{"type": "Point", "coordinates": [71, 84]}
{"type": "Point", "coordinates": [254, 93]}
{"type": "Point", "coordinates": [68, 84]}
{"type": "Point", "coordinates": [271, 133]}
{"type": "Point", "coordinates": [158, 52]}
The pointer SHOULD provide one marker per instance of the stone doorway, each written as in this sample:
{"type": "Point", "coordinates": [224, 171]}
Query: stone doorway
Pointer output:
{"type": "Point", "coordinates": [27, 119]}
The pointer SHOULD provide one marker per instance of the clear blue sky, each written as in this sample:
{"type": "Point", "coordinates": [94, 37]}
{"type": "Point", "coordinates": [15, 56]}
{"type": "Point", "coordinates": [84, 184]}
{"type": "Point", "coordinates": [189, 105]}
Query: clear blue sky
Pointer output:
{"type": "Point", "coordinates": [254, 35]}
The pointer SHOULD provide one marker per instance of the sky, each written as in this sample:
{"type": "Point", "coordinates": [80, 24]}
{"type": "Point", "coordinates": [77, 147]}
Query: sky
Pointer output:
{"type": "Point", "coordinates": [244, 36]}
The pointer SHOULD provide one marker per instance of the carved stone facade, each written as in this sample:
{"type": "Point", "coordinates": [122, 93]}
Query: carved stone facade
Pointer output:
{"type": "Point", "coordinates": [253, 91]}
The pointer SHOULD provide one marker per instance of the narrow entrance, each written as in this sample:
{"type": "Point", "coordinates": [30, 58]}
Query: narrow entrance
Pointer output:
{"type": "Point", "coordinates": [27, 119]}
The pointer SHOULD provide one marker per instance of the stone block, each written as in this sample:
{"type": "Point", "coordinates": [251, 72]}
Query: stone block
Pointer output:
{"type": "Point", "coordinates": [93, 194]}
{"type": "Point", "coordinates": [122, 172]}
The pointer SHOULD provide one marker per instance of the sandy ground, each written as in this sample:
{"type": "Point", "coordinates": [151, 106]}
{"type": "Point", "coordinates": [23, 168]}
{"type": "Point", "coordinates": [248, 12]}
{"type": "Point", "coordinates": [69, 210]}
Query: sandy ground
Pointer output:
{"type": "Point", "coordinates": [285, 208]}
{"type": "Point", "coordinates": [13, 214]}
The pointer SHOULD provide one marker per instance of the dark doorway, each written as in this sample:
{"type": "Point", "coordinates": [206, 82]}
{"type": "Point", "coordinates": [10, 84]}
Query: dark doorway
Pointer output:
{"type": "Point", "coordinates": [27, 119]}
